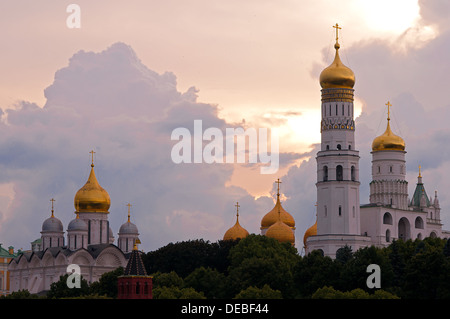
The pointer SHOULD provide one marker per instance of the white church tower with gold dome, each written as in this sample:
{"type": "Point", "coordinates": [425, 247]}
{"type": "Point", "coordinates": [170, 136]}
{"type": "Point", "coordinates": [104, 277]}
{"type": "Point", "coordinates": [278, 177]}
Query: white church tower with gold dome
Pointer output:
{"type": "Point", "coordinates": [338, 214]}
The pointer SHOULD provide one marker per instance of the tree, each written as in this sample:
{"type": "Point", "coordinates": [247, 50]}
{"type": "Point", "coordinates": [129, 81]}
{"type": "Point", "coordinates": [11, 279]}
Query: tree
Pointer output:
{"type": "Point", "coordinates": [344, 254]}
{"type": "Point", "coordinates": [354, 273]}
{"type": "Point", "coordinates": [20, 294]}
{"type": "Point", "coordinates": [176, 293]}
{"type": "Point", "coordinates": [314, 271]}
{"type": "Point", "coordinates": [170, 279]}
{"type": "Point", "coordinates": [423, 274]}
{"type": "Point", "coordinates": [207, 280]}
{"type": "Point", "coordinates": [184, 257]}
{"type": "Point", "coordinates": [259, 293]}
{"type": "Point", "coordinates": [258, 260]}
{"type": "Point", "coordinates": [107, 284]}
{"type": "Point", "coordinates": [59, 288]}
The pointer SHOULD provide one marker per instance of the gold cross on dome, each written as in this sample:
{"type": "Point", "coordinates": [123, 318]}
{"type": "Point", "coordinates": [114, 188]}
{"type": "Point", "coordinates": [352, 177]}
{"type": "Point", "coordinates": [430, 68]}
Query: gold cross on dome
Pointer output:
{"type": "Point", "coordinates": [278, 182]}
{"type": "Point", "coordinates": [52, 200]}
{"type": "Point", "coordinates": [129, 207]}
{"type": "Point", "coordinates": [389, 109]}
{"type": "Point", "coordinates": [337, 27]}
{"type": "Point", "coordinates": [237, 208]}
{"type": "Point", "coordinates": [92, 159]}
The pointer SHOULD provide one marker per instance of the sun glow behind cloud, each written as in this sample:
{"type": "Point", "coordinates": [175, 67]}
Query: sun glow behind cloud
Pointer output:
{"type": "Point", "coordinates": [389, 16]}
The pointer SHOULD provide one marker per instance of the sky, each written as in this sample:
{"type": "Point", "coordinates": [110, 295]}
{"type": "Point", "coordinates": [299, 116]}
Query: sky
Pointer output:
{"type": "Point", "coordinates": [132, 73]}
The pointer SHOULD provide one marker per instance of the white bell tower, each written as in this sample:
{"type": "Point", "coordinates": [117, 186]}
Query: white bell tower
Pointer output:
{"type": "Point", "coordinates": [338, 205]}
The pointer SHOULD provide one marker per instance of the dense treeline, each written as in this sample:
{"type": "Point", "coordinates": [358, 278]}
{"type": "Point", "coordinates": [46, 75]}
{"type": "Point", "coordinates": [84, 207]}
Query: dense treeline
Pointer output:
{"type": "Point", "coordinates": [261, 267]}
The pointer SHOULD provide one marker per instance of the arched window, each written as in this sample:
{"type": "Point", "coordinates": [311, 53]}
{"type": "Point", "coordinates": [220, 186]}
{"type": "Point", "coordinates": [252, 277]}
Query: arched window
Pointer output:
{"type": "Point", "coordinates": [349, 147]}
{"type": "Point", "coordinates": [353, 173]}
{"type": "Point", "coordinates": [325, 173]}
{"type": "Point", "coordinates": [387, 219]}
{"type": "Point", "coordinates": [339, 173]}
{"type": "Point", "coordinates": [340, 210]}
{"type": "Point", "coordinates": [404, 231]}
{"type": "Point", "coordinates": [328, 147]}
{"type": "Point", "coordinates": [339, 146]}
{"type": "Point", "coordinates": [388, 235]}
{"type": "Point", "coordinates": [418, 222]}
{"type": "Point", "coordinates": [326, 210]}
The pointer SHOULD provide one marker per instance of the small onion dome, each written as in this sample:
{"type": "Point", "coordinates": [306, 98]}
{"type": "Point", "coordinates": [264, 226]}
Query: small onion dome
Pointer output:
{"type": "Point", "coordinates": [311, 231]}
{"type": "Point", "coordinates": [92, 197]}
{"type": "Point", "coordinates": [281, 232]}
{"type": "Point", "coordinates": [337, 75]}
{"type": "Point", "coordinates": [271, 217]}
{"type": "Point", "coordinates": [77, 224]}
{"type": "Point", "coordinates": [388, 141]}
{"type": "Point", "coordinates": [237, 231]}
{"type": "Point", "coordinates": [52, 224]}
{"type": "Point", "coordinates": [128, 228]}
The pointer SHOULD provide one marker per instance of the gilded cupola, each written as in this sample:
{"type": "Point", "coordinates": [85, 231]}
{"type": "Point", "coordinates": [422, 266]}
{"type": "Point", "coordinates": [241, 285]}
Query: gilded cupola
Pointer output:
{"type": "Point", "coordinates": [337, 75]}
{"type": "Point", "coordinates": [281, 232]}
{"type": "Point", "coordinates": [237, 231]}
{"type": "Point", "coordinates": [92, 197]}
{"type": "Point", "coordinates": [272, 217]}
{"type": "Point", "coordinates": [311, 231]}
{"type": "Point", "coordinates": [388, 141]}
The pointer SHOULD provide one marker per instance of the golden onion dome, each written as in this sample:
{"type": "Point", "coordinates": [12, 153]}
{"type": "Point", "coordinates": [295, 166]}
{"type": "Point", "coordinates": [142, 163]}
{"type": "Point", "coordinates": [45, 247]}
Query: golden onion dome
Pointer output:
{"type": "Point", "coordinates": [388, 141]}
{"type": "Point", "coordinates": [281, 232]}
{"type": "Point", "coordinates": [92, 197]}
{"type": "Point", "coordinates": [337, 75]}
{"type": "Point", "coordinates": [311, 231]}
{"type": "Point", "coordinates": [237, 231]}
{"type": "Point", "coordinates": [272, 217]}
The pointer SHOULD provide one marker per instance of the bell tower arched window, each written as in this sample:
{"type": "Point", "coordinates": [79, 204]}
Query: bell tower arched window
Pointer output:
{"type": "Point", "coordinates": [325, 173]}
{"type": "Point", "coordinates": [339, 173]}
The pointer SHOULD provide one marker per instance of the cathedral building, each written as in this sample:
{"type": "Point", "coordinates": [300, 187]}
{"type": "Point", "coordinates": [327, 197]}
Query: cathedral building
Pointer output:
{"type": "Point", "coordinates": [341, 220]}
{"type": "Point", "coordinates": [89, 243]}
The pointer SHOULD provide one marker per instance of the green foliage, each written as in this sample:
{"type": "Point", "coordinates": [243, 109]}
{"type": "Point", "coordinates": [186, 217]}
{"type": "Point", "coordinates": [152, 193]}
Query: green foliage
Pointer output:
{"type": "Point", "coordinates": [184, 257]}
{"type": "Point", "coordinates": [259, 293]}
{"type": "Point", "coordinates": [21, 294]}
{"type": "Point", "coordinates": [170, 279]}
{"type": "Point", "coordinates": [176, 293]}
{"type": "Point", "coordinates": [329, 292]}
{"type": "Point", "coordinates": [209, 281]}
{"type": "Point", "coordinates": [59, 289]}
{"type": "Point", "coordinates": [107, 284]}
{"type": "Point", "coordinates": [258, 260]}
{"type": "Point", "coordinates": [315, 271]}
